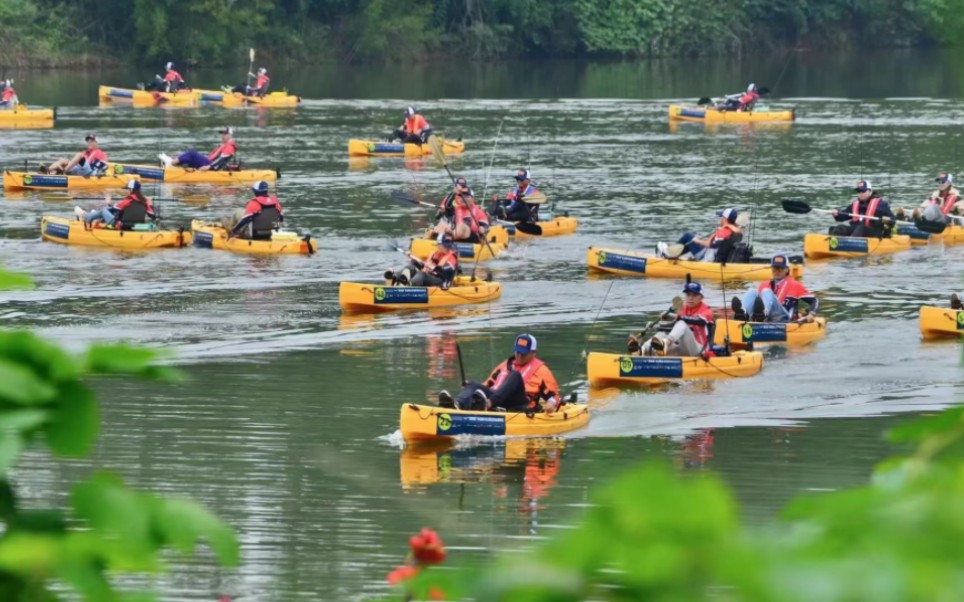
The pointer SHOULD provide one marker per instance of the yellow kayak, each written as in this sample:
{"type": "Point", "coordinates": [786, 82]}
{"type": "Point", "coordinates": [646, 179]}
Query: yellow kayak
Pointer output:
{"type": "Point", "coordinates": [143, 98]}
{"type": "Point", "coordinates": [557, 226]}
{"type": "Point", "coordinates": [187, 175]}
{"type": "Point", "coordinates": [73, 232]}
{"type": "Point", "coordinates": [700, 114]}
{"type": "Point", "coordinates": [371, 148]}
{"type": "Point", "coordinates": [826, 245]}
{"type": "Point", "coordinates": [425, 423]}
{"type": "Point", "coordinates": [21, 180]}
{"type": "Point", "coordinates": [613, 369]}
{"type": "Point", "coordinates": [366, 297]}
{"type": "Point", "coordinates": [236, 99]}
{"type": "Point", "coordinates": [631, 263]}
{"type": "Point", "coordinates": [941, 322]}
{"type": "Point", "coordinates": [214, 236]}
{"type": "Point", "coordinates": [24, 118]}
{"type": "Point", "coordinates": [952, 234]}
{"type": "Point", "coordinates": [422, 248]}
{"type": "Point", "coordinates": [791, 333]}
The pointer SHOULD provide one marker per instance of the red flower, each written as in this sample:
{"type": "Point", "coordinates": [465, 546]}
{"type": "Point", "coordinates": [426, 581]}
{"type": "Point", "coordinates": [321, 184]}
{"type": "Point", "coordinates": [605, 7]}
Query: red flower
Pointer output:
{"type": "Point", "coordinates": [427, 547]}
{"type": "Point", "coordinates": [402, 573]}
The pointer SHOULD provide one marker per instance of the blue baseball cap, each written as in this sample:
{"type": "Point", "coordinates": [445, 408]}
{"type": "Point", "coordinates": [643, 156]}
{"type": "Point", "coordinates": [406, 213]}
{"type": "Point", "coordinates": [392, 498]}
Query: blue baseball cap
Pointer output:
{"type": "Point", "coordinates": [523, 175]}
{"type": "Point", "coordinates": [945, 178]}
{"type": "Point", "coordinates": [863, 186]}
{"type": "Point", "coordinates": [693, 287]}
{"type": "Point", "coordinates": [729, 213]}
{"type": "Point", "coordinates": [525, 343]}
{"type": "Point", "coordinates": [779, 261]}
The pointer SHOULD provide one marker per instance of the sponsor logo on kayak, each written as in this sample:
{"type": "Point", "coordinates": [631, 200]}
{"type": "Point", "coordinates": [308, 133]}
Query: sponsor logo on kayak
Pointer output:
{"type": "Point", "coordinates": [765, 332]}
{"type": "Point", "coordinates": [204, 240]}
{"type": "Point", "coordinates": [386, 148]}
{"type": "Point", "coordinates": [661, 367]}
{"type": "Point", "coordinates": [401, 294]}
{"type": "Point", "coordinates": [27, 179]}
{"type": "Point", "coordinates": [912, 231]}
{"type": "Point", "coordinates": [960, 320]}
{"type": "Point", "coordinates": [627, 263]}
{"type": "Point", "coordinates": [45, 181]}
{"type": "Point", "coordinates": [850, 244]}
{"type": "Point", "coordinates": [56, 230]}
{"type": "Point", "coordinates": [471, 424]}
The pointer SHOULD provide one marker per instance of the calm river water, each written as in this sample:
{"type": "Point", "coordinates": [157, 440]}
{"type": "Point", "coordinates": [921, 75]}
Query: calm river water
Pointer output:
{"type": "Point", "coordinates": [286, 425]}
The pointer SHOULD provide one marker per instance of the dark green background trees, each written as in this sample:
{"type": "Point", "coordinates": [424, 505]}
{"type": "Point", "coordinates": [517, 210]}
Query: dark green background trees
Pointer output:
{"type": "Point", "coordinates": [208, 32]}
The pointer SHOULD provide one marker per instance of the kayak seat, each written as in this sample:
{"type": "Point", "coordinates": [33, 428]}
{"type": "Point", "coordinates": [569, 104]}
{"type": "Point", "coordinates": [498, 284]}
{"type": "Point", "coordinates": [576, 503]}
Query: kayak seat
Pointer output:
{"type": "Point", "coordinates": [264, 223]}
{"type": "Point", "coordinates": [135, 213]}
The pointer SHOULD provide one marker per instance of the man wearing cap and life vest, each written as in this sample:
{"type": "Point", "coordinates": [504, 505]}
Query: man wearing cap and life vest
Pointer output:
{"type": "Point", "coordinates": [172, 79]}
{"type": "Point", "coordinates": [133, 209]}
{"type": "Point", "coordinates": [260, 216]}
{"type": "Point", "coordinates": [513, 207]}
{"type": "Point", "coordinates": [438, 270]}
{"type": "Point", "coordinates": [742, 101]}
{"type": "Point", "coordinates": [522, 383]}
{"type": "Point", "coordinates": [89, 162]}
{"type": "Point", "coordinates": [214, 161]}
{"type": "Point", "coordinates": [777, 299]}
{"type": "Point", "coordinates": [945, 201]}
{"type": "Point", "coordinates": [414, 128]}
{"type": "Point", "coordinates": [260, 87]}
{"type": "Point", "coordinates": [715, 247]}
{"type": "Point", "coordinates": [8, 96]}
{"type": "Point", "coordinates": [459, 215]}
{"type": "Point", "coordinates": [867, 205]}
{"type": "Point", "coordinates": [692, 330]}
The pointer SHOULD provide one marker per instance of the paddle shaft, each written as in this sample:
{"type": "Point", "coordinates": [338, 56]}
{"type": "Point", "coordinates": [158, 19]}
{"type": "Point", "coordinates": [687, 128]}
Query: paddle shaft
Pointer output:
{"type": "Point", "coordinates": [458, 350]}
{"type": "Point", "coordinates": [247, 80]}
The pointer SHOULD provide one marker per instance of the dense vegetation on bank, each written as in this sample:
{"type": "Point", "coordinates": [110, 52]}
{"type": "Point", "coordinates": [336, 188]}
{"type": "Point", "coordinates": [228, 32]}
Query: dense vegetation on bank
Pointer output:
{"type": "Point", "coordinates": [208, 32]}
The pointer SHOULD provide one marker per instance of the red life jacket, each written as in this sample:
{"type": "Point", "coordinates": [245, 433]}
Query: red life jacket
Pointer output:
{"type": "Point", "coordinates": [700, 331]}
{"type": "Point", "coordinates": [415, 124]}
{"type": "Point", "coordinates": [262, 81]}
{"type": "Point", "coordinates": [948, 202]}
{"type": "Point", "coordinates": [871, 210]}
{"type": "Point", "coordinates": [258, 203]}
{"type": "Point", "coordinates": [721, 234]}
{"type": "Point", "coordinates": [788, 287]}
{"type": "Point", "coordinates": [526, 371]}
{"type": "Point", "coordinates": [475, 215]}
{"type": "Point", "coordinates": [96, 158]}
{"type": "Point", "coordinates": [748, 99]}
{"type": "Point", "coordinates": [7, 94]}
{"type": "Point", "coordinates": [447, 258]}
{"type": "Point", "coordinates": [172, 76]}
{"type": "Point", "coordinates": [228, 149]}
{"type": "Point", "coordinates": [127, 200]}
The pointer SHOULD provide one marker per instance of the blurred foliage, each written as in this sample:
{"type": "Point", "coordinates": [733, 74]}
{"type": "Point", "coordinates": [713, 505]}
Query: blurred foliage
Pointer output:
{"type": "Point", "coordinates": [212, 32]}
{"type": "Point", "coordinates": [110, 529]}
{"type": "Point", "coordinates": [653, 535]}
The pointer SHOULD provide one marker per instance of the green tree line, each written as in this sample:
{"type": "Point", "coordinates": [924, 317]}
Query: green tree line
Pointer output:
{"type": "Point", "coordinates": [209, 32]}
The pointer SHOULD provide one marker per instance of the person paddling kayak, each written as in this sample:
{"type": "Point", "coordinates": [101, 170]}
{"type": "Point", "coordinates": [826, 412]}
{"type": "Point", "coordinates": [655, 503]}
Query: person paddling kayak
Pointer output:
{"type": "Point", "coordinates": [414, 129]}
{"type": "Point", "coordinates": [777, 299]}
{"type": "Point", "coordinates": [90, 162]}
{"type": "Point", "coordinates": [260, 87]}
{"type": "Point", "coordinates": [460, 216]}
{"type": "Point", "coordinates": [260, 216]}
{"type": "Point", "coordinates": [718, 246]}
{"type": "Point", "coordinates": [171, 82]}
{"type": "Point", "coordinates": [522, 383]}
{"type": "Point", "coordinates": [513, 207]}
{"type": "Point", "coordinates": [8, 96]}
{"type": "Point", "coordinates": [741, 101]}
{"type": "Point", "coordinates": [867, 205]}
{"type": "Point", "coordinates": [214, 161]}
{"type": "Point", "coordinates": [438, 270]}
{"type": "Point", "coordinates": [945, 201]}
{"type": "Point", "coordinates": [135, 208]}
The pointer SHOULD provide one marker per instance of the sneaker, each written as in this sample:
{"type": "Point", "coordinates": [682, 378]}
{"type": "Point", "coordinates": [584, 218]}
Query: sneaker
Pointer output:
{"type": "Point", "coordinates": [657, 346]}
{"type": "Point", "coordinates": [632, 344]}
{"type": "Point", "coordinates": [227, 89]}
{"type": "Point", "coordinates": [480, 401]}
{"type": "Point", "coordinates": [738, 312]}
{"type": "Point", "coordinates": [956, 302]}
{"type": "Point", "coordinates": [759, 311]}
{"type": "Point", "coordinates": [42, 169]}
{"type": "Point", "coordinates": [389, 275]}
{"type": "Point", "coordinates": [165, 160]}
{"type": "Point", "coordinates": [81, 214]}
{"type": "Point", "coordinates": [445, 400]}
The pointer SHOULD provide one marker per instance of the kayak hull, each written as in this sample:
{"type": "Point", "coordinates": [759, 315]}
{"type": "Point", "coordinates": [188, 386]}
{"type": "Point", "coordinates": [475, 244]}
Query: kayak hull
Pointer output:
{"type": "Point", "coordinates": [952, 235]}
{"type": "Point", "coordinates": [422, 248]}
{"type": "Point", "coordinates": [182, 175]}
{"type": "Point", "coordinates": [631, 263]}
{"type": "Point", "coordinates": [761, 333]}
{"type": "Point", "coordinates": [21, 180]}
{"type": "Point", "coordinates": [28, 119]}
{"type": "Point", "coordinates": [371, 148]}
{"type": "Point", "coordinates": [557, 226]}
{"type": "Point", "coordinates": [236, 99]}
{"type": "Point", "coordinates": [73, 232]}
{"type": "Point", "coordinates": [367, 297]}
{"type": "Point", "coordinates": [820, 246]}
{"type": "Point", "coordinates": [430, 423]}
{"type": "Point", "coordinates": [699, 114]}
{"type": "Point", "coordinates": [941, 322]}
{"type": "Point", "coordinates": [142, 98]}
{"type": "Point", "coordinates": [613, 369]}
{"type": "Point", "coordinates": [210, 236]}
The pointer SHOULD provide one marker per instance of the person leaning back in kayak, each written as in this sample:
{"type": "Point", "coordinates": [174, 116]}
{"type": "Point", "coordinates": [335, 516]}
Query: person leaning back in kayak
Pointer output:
{"type": "Point", "coordinates": [89, 162]}
{"type": "Point", "coordinates": [945, 201]}
{"type": "Point", "coordinates": [459, 215]}
{"type": "Point", "coordinates": [260, 87]}
{"type": "Point", "coordinates": [214, 161]}
{"type": "Point", "coordinates": [8, 96]}
{"type": "Point", "coordinates": [742, 101]}
{"type": "Point", "coordinates": [260, 215]}
{"type": "Point", "coordinates": [522, 383]}
{"type": "Point", "coordinates": [414, 129]}
{"type": "Point", "coordinates": [716, 246]}
{"type": "Point", "coordinates": [438, 270]}
{"type": "Point", "coordinates": [692, 330]}
{"type": "Point", "coordinates": [867, 205]}
{"type": "Point", "coordinates": [777, 299]}
{"type": "Point", "coordinates": [513, 207]}
{"type": "Point", "coordinates": [133, 209]}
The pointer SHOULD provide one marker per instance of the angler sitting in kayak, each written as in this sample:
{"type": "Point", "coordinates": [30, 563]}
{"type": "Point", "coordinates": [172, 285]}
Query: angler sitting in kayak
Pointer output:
{"type": "Point", "coordinates": [135, 208]}
{"type": "Point", "coordinates": [778, 299]}
{"type": "Point", "coordinates": [8, 96]}
{"type": "Point", "coordinates": [439, 269]}
{"type": "Point", "coordinates": [717, 247]}
{"type": "Point", "coordinates": [522, 383]}
{"type": "Point", "coordinates": [945, 201]}
{"type": "Point", "coordinates": [514, 208]}
{"type": "Point", "coordinates": [260, 216]}
{"type": "Point", "coordinates": [460, 216]}
{"type": "Point", "coordinates": [171, 82]}
{"type": "Point", "coordinates": [414, 129]}
{"type": "Point", "coordinates": [214, 161]}
{"type": "Point", "coordinates": [260, 87]}
{"type": "Point", "coordinates": [741, 101]}
{"type": "Point", "coordinates": [90, 162]}
{"type": "Point", "coordinates": [692, 329]}
{"type": "Point", "coordinates": [867, 205]}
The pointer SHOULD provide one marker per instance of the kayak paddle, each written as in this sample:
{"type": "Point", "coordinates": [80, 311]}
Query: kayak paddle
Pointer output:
{"type": "Point", "coordinates": [800, 208]}
{"type": "Point", "coordinates": [405, 199]}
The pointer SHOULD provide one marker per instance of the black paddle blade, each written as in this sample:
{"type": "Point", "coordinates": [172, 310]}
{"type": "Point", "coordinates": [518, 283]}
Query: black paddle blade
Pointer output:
{"type": "Point", "coordinates": [795, 206]}
{"type": "Point", "coordinates": [402, 198]}
{"type": "Point", "coordinates": [930, 227]}
{"type": "Point", "coordinates": [704, 100]}
{"type": "Point", "coordinates": [531, 229]}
